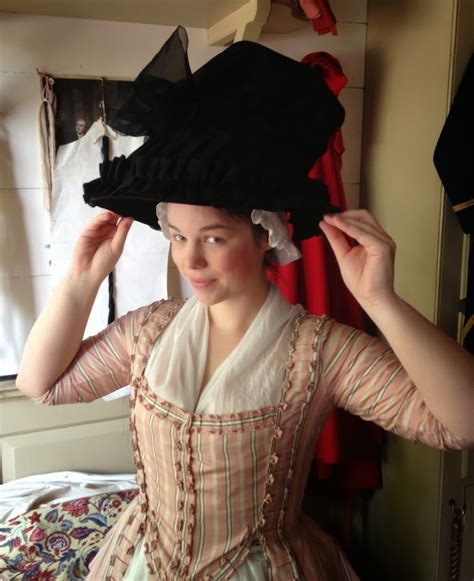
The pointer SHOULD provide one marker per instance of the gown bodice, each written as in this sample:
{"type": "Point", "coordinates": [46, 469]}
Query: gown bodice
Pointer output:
{"type": "Point", "coordinates": [214, 485]}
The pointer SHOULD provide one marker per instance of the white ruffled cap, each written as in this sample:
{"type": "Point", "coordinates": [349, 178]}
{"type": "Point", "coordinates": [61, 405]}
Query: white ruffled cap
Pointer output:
{"type": "Point", "coordinates": [274, 222]}
{"type": "Point", "coordinates": [278, 235]}
{"type": "Point", "coordinates": [162, 215]}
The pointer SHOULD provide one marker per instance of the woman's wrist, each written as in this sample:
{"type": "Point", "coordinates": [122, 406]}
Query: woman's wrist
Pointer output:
{"type": "Point", "coordinates": [83, 281]}
{"type": "Point", "coordinates": [79, 289]}
{"type": "Point", "coordinates": [384, 308]}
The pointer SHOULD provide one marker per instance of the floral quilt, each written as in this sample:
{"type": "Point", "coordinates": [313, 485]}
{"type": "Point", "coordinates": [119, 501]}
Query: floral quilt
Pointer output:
{"type": "Point", "coordinates": [60, 540]}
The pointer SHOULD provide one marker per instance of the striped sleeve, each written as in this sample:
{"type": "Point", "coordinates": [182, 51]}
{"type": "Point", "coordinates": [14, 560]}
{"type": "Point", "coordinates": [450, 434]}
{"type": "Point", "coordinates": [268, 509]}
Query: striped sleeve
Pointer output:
{"type": "Point", "coordinates": [101, 366]}
{"type": "Point", "coordinates": [363, 376]}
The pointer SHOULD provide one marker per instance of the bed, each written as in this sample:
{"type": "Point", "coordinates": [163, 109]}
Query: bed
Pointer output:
{"type": "Point", "coordinates": [67, 476]}
{"type": "Point", "coordinates": [52, 525]}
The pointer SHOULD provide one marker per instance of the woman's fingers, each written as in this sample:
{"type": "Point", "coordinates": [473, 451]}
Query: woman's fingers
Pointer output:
{"type": "Point", "coordinates": [106, 217]}
{"type": "Point", "coordinates": [101, 243]}
{"type": "Point", "coordinates": [360, 214]}
{"type": "Point", "coordinates": [341, 232]}
{"type": "Point", "coordinates": [336, 239]}
{"type": "Point", "coordinates": [120, 236]}
{"type": "Point", "coordinates": [362, 217]}
{"type": "Point", "coordinates": [367, 267]}
{"type": "Point", "coordinates": [364, 232]}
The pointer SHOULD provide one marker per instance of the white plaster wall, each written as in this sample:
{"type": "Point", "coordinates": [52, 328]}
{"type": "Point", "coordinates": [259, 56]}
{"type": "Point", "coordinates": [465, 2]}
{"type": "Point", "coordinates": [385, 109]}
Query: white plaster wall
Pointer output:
{"type": "Point", "coordinates": [78, 47]}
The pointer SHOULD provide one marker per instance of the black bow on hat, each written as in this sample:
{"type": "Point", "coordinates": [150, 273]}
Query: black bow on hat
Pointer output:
{"type": "Point", "coordinates": [242, 132]}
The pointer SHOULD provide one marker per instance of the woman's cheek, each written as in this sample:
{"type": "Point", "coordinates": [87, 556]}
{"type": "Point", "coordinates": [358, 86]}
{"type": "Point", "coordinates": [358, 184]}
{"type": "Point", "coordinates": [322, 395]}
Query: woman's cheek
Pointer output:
{"type": "Point", "coordinates": [240, 261]}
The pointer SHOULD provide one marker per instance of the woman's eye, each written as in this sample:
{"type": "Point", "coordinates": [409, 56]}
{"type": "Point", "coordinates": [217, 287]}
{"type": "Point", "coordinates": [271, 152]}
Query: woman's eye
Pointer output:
{"type": "Point", "coordinates": [177, 237]}
{"type": "Point", "coordinates": [213, 239]}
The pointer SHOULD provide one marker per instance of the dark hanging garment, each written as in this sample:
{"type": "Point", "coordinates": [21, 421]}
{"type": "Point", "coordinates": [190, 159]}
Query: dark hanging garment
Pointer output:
{"type": "Point", "coordinates": [454, 161]}
{"type": "Point", "coordinates": [111, 277]}
{"type": "Point", "coordinates": [468, 327]}
{"type": "Point", "coordinates": [454, 153]}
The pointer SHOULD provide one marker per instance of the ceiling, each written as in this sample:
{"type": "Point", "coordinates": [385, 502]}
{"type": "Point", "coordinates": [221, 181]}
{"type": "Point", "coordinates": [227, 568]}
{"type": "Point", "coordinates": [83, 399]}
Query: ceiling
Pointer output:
{"type": "Point", "coordinates": [190, 13]}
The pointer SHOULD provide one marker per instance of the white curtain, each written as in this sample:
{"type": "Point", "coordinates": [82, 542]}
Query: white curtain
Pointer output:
{"type": "Point", "coordinates": [141, 274]}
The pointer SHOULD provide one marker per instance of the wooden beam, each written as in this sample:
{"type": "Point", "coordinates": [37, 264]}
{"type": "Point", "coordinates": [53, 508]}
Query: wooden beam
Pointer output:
{"type": "Point", "coordinates": [245, 23]}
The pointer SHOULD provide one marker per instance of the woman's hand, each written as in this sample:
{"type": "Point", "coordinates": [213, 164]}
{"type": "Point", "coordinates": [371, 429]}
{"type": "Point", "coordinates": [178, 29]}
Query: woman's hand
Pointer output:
{"type": "Point", "coordinates": [367, 266]}
{"type": "Point", "coordinates": [100, 245]}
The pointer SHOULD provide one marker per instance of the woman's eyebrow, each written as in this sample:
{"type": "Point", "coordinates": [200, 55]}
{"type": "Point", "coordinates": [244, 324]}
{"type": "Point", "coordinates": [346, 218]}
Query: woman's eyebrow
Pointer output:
{"type": "Point", "coordinates": [204, 228]}
{"type": "Point", "coordinates": [214, 227]}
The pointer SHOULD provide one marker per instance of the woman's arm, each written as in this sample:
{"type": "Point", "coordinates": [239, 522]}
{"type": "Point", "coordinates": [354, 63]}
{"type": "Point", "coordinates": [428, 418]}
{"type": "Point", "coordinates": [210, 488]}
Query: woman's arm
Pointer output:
{"type": "Point", "coordinates": [442, 370]}
{"type": "Point", "coordinates": [57, 334]}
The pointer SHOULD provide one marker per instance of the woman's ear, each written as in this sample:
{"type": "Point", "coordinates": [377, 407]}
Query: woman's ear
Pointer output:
{"type": "Point", "coordinates": [263, 242]}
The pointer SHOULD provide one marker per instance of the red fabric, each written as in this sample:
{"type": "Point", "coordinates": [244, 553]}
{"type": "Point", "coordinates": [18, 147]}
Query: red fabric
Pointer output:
{"type": "Point", "coordinates": [347, 452]}
{"type": "Point", "coordinates": [310, 8]}
{"type": "Point", "coordinates": [324, 23]}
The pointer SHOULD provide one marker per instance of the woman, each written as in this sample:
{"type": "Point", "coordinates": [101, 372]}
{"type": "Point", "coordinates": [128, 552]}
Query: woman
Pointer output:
{"type": "Point", "coordinates": [222, 256]}
{"type": "Point", "coordinates": [230, 390]}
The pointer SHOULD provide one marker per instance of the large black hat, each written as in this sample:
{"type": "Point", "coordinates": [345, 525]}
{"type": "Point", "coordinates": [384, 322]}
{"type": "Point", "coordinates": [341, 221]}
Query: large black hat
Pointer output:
{"type": "Point", "coordinates": [241, 132]}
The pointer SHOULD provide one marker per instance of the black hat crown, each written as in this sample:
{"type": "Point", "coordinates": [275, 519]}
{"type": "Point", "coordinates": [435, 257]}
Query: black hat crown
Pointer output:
{"type": "Point", "coordinates": [242, 132]}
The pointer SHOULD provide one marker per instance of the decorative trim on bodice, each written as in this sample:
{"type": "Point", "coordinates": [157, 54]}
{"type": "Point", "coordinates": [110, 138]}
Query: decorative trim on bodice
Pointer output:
{"type": "Point", "coordinates": [299, 387]}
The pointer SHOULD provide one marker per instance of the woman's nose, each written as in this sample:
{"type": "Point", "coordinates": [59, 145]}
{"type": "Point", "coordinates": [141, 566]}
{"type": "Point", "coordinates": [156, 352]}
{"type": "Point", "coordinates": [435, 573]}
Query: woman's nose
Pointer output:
{"type": "Point", "coordinates": [194, 257]}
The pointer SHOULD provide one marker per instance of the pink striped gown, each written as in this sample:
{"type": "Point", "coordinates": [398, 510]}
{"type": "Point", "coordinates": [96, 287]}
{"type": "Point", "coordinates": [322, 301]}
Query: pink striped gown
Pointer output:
{"type": "Point", "coordinates": [213, 485]}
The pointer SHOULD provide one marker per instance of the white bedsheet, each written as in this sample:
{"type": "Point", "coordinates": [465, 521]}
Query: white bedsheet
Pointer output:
{"type": "Point", "coordinates": [24, 494]}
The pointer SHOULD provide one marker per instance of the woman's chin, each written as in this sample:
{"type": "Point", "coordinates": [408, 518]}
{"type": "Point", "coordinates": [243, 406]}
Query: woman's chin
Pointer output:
{"type": "Point", "coordinates": [207, 297]}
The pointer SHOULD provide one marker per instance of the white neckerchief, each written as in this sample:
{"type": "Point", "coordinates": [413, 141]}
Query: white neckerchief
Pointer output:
{"type": "Point", "coordinates": [251, 376]}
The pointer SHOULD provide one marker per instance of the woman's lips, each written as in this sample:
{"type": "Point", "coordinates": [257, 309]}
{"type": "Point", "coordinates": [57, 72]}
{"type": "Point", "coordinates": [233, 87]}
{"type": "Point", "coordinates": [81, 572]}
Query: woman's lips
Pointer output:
{"type": "Point", "coordinates": [201, 284]}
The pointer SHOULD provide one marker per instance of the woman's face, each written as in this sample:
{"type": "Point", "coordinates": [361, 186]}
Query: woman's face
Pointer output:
{"type": "Point", "coordinates": [217, 253]}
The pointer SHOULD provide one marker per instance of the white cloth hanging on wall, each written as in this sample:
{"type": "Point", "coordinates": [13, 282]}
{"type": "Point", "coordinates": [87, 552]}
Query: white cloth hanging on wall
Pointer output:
{"type": "Point", "coordinates": [141, 273]}
{"type": "Point", "coordinates": [47, 137]}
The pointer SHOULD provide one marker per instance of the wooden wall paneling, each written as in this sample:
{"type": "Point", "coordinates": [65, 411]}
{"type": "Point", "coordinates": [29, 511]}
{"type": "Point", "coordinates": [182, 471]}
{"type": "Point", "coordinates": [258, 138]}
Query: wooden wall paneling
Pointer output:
{"type": "Point", "coordinates": [24, 246]}
{"type": "Point", "coordinates": [21, 415]}
{"type": "Point", "coordinates": [19, 104]}
{"type": "Point", "coordinates": [348, 46]}
{"type": "Point", "coordinates": [21, 301]}
{"type": "Point", "coordinates": [102, 448]}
